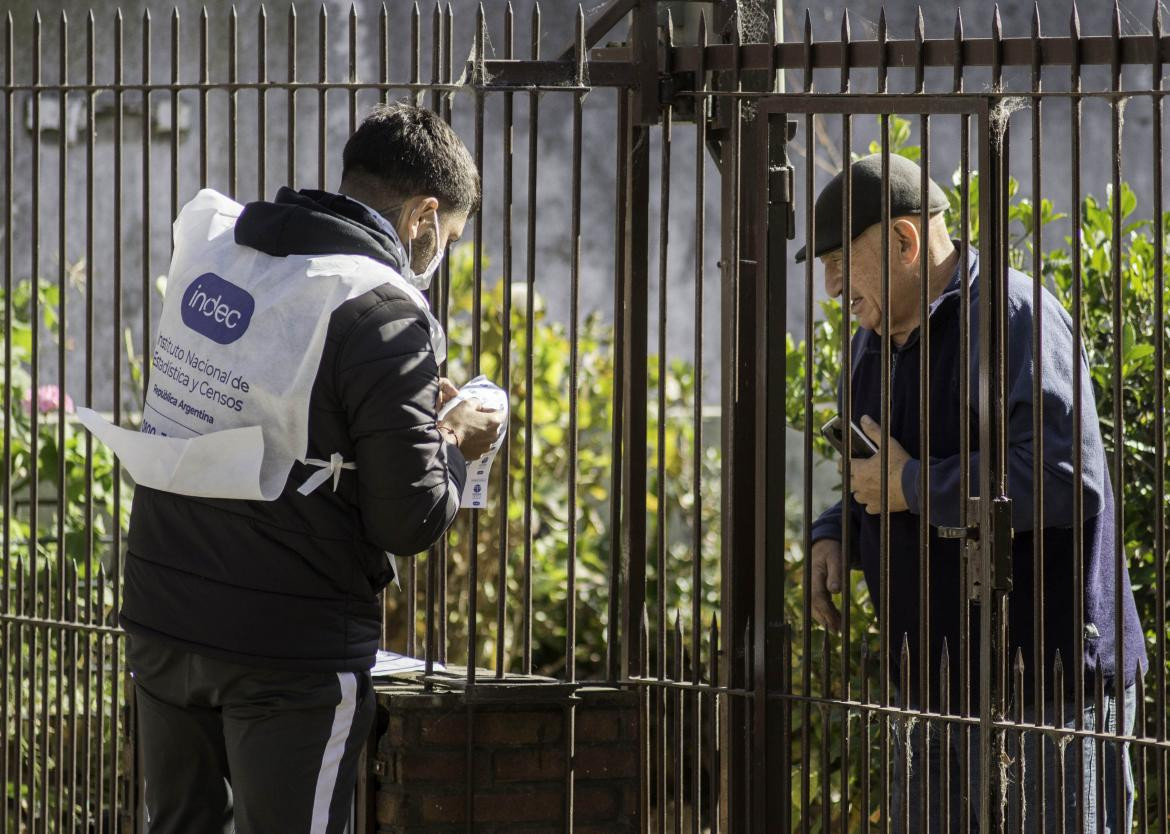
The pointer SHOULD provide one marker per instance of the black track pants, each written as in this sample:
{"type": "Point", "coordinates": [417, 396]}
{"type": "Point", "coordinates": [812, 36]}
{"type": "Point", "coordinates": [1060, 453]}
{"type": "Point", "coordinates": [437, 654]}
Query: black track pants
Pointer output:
{"type": "Point", "coordinates": [232, 748]}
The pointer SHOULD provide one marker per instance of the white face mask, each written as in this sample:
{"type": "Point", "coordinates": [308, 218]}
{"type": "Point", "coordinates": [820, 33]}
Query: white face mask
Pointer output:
{"type": "Point", "coordinates": [422, 280]}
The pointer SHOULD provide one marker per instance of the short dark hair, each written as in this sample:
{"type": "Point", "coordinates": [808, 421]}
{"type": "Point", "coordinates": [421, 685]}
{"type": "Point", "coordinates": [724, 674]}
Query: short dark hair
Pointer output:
{"type": "Point", "coordinates": [414, 152]}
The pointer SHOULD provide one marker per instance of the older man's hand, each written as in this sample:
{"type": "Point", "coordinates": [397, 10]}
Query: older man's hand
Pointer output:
{"type": "Point", "coordinates": [865, 480]}
{"type": "Point", "coordinates": [826, 581]}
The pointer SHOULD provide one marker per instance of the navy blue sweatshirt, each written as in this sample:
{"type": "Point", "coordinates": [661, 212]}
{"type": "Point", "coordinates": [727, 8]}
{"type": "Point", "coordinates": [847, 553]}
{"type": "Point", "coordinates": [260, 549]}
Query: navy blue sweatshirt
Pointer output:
{"type": "Point", "coordinates": [947, 597]}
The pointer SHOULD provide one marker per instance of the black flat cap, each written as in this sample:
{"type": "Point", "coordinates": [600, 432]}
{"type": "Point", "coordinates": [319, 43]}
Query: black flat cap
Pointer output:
{"type": "Point", "coordinates": [905, 198]}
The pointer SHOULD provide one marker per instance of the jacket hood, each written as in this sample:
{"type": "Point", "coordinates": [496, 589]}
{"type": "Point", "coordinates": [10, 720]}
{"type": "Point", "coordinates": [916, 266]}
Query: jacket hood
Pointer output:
{"type": "Point", "coordinates": [311, 222]}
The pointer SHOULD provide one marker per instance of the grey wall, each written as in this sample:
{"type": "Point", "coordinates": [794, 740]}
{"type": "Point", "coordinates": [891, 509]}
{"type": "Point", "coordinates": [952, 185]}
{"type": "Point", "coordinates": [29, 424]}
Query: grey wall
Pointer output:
{"type": "Point", "coordinates": [551, 214]}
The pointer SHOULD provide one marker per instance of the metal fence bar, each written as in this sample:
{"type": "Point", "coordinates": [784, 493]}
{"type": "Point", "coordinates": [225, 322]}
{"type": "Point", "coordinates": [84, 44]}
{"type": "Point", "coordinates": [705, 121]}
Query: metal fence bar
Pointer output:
{"type": "Point", "coordinates": [1161, 693]}
{"type": "Point", "coordinates": [529, 330]}
{"type": "Point", "coordinates": [505, 359]}
{"type": "Point", "coordinates": [696, 700]}
{"type": "Point", "coordinates": [1077, 427]}
{"type": "Point", "coordinates": [1037, 801]}
{"type": "Point", "coordinates": [661, 569]}
{"type": "Point", "coordinates": [476, 348]}
{"type": "Point", "coordinates": [1118, 382]}
{"type": "Point", "coordinates": [58, 725]}
{"type": "Point", "coordinates": [261, 103]}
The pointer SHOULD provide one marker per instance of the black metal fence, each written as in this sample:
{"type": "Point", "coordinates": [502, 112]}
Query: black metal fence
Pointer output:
{"type": "Point", "coordinates": [637, 539]}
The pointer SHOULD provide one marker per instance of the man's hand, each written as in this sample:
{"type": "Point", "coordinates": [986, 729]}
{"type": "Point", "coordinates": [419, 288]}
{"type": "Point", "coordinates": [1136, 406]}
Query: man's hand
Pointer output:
{"type": "Point", "coordinates": [826, 580]}
{"type": "Point", "coordinates": [865, 474]}
{"type": "Point", "coordinates": [447, 392]}
{"type": "Point", "coordinates": [475, 427]}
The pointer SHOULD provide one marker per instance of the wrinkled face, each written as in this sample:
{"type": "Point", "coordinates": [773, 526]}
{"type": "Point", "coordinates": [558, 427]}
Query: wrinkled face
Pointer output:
{"type": "Point", "coordinates": [865, 301]}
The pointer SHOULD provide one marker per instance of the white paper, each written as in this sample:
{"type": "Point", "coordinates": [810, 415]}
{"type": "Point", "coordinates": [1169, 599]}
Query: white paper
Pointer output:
{"type": "Point", "coordinates": [237, 349]}
{"type": "Point", "coordinates": [494, 398]}
{"type": "Point", "coordinates": [388, 664]}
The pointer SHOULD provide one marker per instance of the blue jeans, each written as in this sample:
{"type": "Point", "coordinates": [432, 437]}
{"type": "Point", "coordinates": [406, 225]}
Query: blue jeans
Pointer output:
{"type": "Point", "coordinates": [1103, 795]}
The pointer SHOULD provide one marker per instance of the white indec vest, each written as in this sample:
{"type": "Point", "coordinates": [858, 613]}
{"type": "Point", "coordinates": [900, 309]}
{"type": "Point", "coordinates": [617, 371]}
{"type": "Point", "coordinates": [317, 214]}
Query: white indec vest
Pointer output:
{"type": "Point", "coordinates": [238, 346]}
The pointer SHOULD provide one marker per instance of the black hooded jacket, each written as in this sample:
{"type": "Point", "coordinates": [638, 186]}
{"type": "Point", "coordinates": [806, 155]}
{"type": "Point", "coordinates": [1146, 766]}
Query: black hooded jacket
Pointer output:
{"type": "Point", "coordinates": [293, 583]}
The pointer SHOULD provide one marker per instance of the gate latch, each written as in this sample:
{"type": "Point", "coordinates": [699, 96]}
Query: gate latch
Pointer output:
{"type": "Point", "coordinates": [970, 538]}
{"type": "Point", "coordinates": [971, 531]}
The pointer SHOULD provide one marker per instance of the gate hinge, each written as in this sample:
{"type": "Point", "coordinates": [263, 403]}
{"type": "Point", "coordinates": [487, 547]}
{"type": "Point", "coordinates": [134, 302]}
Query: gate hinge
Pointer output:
{"type": "Point", "coordinates": [1001, 543]}
{"type": "Point", "coordinates": [781, 180]}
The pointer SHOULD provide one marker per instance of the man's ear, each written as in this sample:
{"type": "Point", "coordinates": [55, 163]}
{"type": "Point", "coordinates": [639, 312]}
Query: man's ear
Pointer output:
{"type": "Point", "coordinates": [906, 241]}
{"type": "Point", "coordinates": [414, 212]}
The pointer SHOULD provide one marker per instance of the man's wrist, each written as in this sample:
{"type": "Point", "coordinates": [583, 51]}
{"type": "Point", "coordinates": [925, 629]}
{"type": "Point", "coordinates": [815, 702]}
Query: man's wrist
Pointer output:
{"type": "Point", "coordinates": [451, 435]}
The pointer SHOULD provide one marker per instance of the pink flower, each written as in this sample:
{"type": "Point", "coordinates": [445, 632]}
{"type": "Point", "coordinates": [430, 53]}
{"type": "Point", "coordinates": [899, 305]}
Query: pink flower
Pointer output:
{"type": "Point", "coordinates": [48, 399]}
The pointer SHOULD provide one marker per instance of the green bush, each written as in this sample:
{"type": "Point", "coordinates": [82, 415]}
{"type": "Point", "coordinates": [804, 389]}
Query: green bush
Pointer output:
{"type": "Point", "coordinates": [550, 487]}
{"type": "Point", "coordinates": [54, 578]}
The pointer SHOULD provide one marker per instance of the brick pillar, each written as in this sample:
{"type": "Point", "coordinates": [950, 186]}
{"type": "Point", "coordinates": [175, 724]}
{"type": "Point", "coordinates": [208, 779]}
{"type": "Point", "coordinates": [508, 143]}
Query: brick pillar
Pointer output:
{"type": "Point", "coordinates": [517, 762]}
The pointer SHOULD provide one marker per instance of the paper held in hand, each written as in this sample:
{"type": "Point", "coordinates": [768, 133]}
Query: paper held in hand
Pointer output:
{"type": "Point", "coordinates": [479, 470]}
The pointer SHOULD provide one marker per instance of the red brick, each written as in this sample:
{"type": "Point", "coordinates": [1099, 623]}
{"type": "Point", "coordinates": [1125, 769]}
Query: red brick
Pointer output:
{"type": "Point", "coordinates": [598, 725]}
{"type": "Point", "coordinates": [443, 808]}
{"type": "Point", "coordinates": [631, 799]}
{"type": "Point", "coordinates": [541, 805]}
{"type": "Point", "coordinates": [430, 765]}
{"type": "Point", "coordinates": [449, 729]}
{"type": "Point", "coordinates": [593, 803]}
{"type": "Point", "coordinates": [630, 726]}
{"type": "Point", "coordinates": [532, 765]}
{"type": "Point", "coordinates": [390, 808]}
{"type": "Point", "coordinates": [518, 728]}
{"type": "Point", "coordinates": [606, 763]}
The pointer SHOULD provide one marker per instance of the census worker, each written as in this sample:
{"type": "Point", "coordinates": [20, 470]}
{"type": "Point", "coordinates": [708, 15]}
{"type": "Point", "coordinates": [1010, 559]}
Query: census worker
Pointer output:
{"type": "Point", "coordinates": [948, 268]}
{"type": "Point", "coordinates": [289, 443]}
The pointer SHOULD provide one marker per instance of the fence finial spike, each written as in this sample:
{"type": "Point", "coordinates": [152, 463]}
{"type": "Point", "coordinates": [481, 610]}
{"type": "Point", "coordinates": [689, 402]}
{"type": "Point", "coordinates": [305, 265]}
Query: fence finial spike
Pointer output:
{"type": "Point", "coordinates": [292, 10]}
{"type": "Point", "coordinates": [808, 27]}
{"type": "Point", "coordinates": [64, 18]}
{"type": "Point", "coordinates": [920, 26]}
{"type": "Point", "coordinates": [323, 15]}
{"type": "Point", "coordinates": [1036, 19]}
{"type": "Point", "coordinates": [145, 16]}
{"type": "Point", "coordinates": [669, 27]}
{"type": "Point", "coordinates": [845, 29]}
{"type": "Point", "coordinates": [996, 24]}
{"type": "Point", "coordinates": [1074, 21]}
{"type": "Point", "coordinates": [1157, 28]}
{"type": "Point", "coordinates": [882, 23]}
{"type": "Point", "coordinates": [1116, 30]}
{"type": "Point", "coordinates": [958, 24]}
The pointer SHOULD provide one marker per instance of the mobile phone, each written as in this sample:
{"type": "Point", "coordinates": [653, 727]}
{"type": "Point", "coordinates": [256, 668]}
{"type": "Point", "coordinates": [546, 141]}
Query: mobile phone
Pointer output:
{"type": "Point", "coordinates": [860, 445]}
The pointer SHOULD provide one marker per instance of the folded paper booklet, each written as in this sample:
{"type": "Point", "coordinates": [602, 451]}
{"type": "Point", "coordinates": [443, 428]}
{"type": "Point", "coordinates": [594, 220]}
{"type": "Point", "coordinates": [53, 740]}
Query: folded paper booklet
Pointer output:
{"type": "Point", "coordinates": [388, 664]}
{"type": "Point", "coordinates": [479, 470]}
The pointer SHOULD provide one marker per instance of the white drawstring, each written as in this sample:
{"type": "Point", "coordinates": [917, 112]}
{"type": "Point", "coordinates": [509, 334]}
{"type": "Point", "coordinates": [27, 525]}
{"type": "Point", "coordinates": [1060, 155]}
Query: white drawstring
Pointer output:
{"type": "Point", "coordinates": [329, 468]}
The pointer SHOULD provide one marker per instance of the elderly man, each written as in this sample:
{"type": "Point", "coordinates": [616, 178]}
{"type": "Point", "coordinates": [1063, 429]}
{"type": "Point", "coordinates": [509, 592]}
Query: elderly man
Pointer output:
{"type": "Point", "coordinates": [946, 269]}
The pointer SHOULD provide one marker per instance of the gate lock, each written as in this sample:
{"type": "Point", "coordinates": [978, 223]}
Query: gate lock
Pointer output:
{"type": "Point", "coordinates": [1001, 546]}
